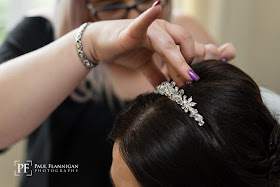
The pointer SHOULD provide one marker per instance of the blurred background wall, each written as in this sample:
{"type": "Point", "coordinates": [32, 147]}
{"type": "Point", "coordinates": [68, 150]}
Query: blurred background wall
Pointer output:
{"type": "Point", "coordinates": [253, 26]}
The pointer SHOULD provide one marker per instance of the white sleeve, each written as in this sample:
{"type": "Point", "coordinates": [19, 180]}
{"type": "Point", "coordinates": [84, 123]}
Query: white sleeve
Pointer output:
{"type": "Point", "coordinates": [272, 102]}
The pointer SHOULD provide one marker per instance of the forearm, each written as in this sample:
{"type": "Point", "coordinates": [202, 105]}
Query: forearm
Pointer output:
{"type": "Point", "coordinates": [33, 85]}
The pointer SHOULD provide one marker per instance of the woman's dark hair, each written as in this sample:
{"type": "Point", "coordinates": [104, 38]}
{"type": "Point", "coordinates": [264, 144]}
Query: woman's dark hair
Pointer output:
{"type": "Point", "coordinates": [237, 146]}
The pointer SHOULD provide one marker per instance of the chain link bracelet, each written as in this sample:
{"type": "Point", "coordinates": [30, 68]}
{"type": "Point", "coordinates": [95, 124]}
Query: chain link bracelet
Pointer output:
{"type": "Point", "coordinates": [81, 54]}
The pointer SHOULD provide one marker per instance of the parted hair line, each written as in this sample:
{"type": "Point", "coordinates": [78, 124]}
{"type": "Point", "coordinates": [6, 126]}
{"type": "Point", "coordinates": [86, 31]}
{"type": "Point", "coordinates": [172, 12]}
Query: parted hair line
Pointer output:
{"type": "Point", "coordinates": [237, 146]}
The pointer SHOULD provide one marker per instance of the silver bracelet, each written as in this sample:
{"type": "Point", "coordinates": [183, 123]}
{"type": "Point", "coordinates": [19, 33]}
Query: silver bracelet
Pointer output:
{"type": "Point", "coordinates": [79, 46]}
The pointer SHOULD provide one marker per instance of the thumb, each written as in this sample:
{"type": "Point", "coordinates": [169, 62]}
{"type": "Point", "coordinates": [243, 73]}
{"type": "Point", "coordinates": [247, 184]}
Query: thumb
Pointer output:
{"type": "Point", "coordinates": [138, 28]}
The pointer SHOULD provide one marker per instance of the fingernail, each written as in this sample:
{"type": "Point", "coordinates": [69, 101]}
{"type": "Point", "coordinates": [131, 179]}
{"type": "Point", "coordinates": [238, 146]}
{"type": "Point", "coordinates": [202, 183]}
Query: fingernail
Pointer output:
{"type": "Point", "coordinates": [193, 75]}
{"type": "Point", "coordinates": [156, 3]}
{"type": "Point", "coordinates": [224, 59]}
{"type": "Point", "coordinates": [188, 82]}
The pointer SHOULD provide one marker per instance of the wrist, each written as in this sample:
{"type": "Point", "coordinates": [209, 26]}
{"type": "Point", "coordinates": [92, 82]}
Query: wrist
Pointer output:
{"type": "Point", "coordinates": [84, 47]}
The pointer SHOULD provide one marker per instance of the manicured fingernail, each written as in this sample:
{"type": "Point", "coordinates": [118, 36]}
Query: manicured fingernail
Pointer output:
{"type": "Point", "coordinates": [156, 3]}
{"type": "Point", "coordinates": [224, 59]}
{"type": "Point", "coordinates": [193, 75]}
{"type": "Point", "coordinates": [188, 82]}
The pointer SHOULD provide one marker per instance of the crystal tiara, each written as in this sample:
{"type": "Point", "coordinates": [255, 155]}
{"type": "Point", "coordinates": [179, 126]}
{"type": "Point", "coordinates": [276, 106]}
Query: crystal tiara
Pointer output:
{"type": "Point", "coordinates": [177, 95]}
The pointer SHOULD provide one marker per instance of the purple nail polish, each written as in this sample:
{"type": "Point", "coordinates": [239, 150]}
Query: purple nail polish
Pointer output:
{"type": "Point", "coordinates": [156, 3]}
{"type": "Point", "coordinates": [224, 59]}
{"type": "Point", "coordinates": [193, 75]}
{"type": "Point", "coordinates": [188, 82]}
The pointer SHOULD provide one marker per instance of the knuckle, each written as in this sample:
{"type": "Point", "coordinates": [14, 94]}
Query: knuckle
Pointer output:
{"type": "Point", "coordinates": [186, 36]}
{"type": "Point", "coordinates": [211, 49]}
{"type": "Point", "coordinates": [199, 50]}
{"type": "Point", "coordinates": [182, 63]}
{"type": "Point", "coordinates": [170, 45]}
{"type": "Point", "coordinates": [232, 48]}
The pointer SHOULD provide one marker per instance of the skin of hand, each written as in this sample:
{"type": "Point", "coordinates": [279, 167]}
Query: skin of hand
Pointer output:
{"type": "Point", "coordinates": [133, 42]}
{"type": "Point", "coordinates": [203, 52]}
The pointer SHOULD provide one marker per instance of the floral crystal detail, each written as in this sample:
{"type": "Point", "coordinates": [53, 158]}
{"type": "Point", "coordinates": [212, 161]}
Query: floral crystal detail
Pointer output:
{"type": "Point", "coordinates": [177, 95]}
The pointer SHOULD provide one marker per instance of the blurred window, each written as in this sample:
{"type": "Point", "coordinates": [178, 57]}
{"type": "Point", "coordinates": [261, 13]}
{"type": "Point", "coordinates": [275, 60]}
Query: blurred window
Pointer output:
{"type": "Point", "coordinates": [11, 11]}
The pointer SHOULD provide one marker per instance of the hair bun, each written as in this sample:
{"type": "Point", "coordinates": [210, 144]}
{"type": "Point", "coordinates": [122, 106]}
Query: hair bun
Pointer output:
{"type": "Point", "coordinates": [274, 153]}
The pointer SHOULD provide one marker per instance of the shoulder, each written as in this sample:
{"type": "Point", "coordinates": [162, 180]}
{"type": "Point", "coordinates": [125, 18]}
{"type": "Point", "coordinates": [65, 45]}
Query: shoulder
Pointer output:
{"type": "Point", "coordinates": [45, 13]}
{"type": "Point", "coordinates": [272, 102]}
{"type": "Point", "coordinates": [36, 20]}
{"type": "Point", "coordinates": [31, 33]}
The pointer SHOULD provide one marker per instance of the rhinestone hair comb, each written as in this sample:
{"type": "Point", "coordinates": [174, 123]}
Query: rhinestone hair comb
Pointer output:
{"type": "Point", "coordinates": [177, 95]}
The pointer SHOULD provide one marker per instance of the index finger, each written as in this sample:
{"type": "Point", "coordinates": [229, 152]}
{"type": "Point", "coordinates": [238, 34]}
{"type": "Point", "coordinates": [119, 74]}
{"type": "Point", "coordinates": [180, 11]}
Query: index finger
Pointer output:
{"type": "Point", "coordinates": [138, 28]}
{"type": "Point", "coordinates": [166, 42]}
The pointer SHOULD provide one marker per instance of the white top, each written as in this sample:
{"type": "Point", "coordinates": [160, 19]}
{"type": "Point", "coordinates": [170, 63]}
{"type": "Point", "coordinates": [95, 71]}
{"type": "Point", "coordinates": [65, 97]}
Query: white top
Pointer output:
{"type": "Point", "coordinates": [272, 101]}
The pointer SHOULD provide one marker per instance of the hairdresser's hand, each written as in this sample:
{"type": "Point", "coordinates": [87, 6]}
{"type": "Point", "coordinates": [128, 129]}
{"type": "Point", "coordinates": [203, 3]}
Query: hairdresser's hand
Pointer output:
{"type": "Point", "coordinates": [203, 52]}
{"type": "Point", "coordinates": [132, 44]}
